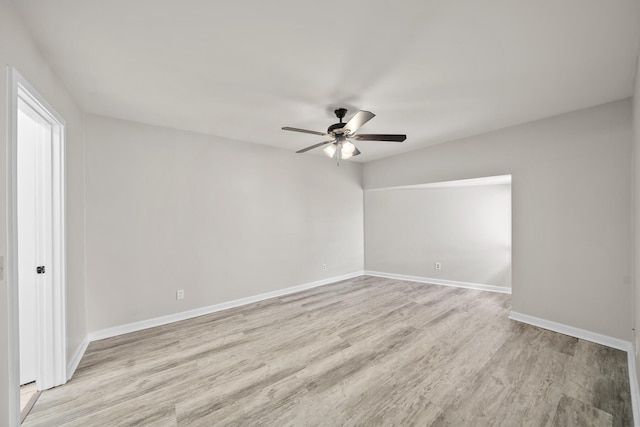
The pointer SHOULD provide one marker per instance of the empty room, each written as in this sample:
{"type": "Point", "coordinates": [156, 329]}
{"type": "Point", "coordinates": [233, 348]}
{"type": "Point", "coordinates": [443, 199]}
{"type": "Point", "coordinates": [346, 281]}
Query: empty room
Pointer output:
{"type": "Point", "coordinates": [319, 213]}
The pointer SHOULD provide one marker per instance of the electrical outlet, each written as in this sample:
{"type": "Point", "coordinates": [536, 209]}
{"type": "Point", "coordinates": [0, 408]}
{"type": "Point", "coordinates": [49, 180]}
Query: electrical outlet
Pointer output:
{"type": "Point", "coordinates": [438, 266]}
{"type": "Point", "coordinates": [180, 294]}
{"type": "Point", "coordinates": [324, 267]}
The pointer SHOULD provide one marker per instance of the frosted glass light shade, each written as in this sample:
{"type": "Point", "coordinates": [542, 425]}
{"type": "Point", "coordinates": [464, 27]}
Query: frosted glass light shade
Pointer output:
{"type": "Point", "coordinates": [347, 148]}
{"type": "Point", "coordinates": [330, 150]}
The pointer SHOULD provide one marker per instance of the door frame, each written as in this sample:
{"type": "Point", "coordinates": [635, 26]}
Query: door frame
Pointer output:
{"type": "Point", "coordinates": [52, 340]}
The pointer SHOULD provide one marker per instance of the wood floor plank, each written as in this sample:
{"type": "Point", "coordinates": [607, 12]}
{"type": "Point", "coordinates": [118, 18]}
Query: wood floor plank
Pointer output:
{"type": "Point", "coordinates": [362, 352]}
{"type": "Point", "coordinates": [574, 413]}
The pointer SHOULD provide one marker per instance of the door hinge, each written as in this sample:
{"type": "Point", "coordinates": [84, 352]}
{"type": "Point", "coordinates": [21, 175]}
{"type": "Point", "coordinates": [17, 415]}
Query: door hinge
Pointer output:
{"type": "Point", "coordinates": [40, 269]}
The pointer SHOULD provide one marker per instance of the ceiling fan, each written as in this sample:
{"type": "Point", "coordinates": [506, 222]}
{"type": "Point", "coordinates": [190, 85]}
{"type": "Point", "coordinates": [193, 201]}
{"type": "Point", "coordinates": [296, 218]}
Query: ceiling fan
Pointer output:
{"type": "Point", "coordinates": [342, 134]}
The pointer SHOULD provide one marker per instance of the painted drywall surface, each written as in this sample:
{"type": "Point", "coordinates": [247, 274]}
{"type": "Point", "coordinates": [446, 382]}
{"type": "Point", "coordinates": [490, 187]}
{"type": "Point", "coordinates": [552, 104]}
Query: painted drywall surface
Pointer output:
{"type": "Point", "coordinates": [18, 50]}
{"type": "Point", "coordinates": [571, 180]}
{"type": "Point", "coordinates": [466, 229]}
{"type": "Point", "coordinates": [169, 210]}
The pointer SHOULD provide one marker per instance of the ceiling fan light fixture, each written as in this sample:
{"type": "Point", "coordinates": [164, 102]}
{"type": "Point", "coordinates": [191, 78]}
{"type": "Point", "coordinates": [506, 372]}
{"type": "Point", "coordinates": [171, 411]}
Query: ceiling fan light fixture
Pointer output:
{"type": "Point", "coordinates": [330, 150]}
{"type": "Point", "coordinates": [347, 148]}
{"type": "Point", "coordinates": [342, 132]}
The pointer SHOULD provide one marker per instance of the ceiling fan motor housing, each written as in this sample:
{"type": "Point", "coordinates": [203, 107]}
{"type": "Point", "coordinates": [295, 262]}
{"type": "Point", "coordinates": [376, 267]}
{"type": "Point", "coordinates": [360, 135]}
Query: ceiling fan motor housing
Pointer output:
{"type": "Point", "coordinates": [335, 128]}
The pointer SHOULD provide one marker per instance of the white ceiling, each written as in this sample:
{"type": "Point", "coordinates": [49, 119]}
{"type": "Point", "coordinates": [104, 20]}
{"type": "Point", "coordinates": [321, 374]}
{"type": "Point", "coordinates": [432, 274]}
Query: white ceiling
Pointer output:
{"type": "Point", "coordinates": [435, 70]}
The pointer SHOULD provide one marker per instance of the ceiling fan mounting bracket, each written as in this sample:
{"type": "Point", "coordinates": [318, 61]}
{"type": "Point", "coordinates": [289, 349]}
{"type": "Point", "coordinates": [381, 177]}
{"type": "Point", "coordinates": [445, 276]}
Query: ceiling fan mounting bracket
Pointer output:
{"type": "Point", "coordinates": [340, 113]}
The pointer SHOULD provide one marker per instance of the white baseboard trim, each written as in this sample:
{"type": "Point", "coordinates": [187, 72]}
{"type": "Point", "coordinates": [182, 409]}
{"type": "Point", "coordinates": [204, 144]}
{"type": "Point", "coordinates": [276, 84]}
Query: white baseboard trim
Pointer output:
{"type": "Point", "coordinates": [77, 356]}
{"type": "Point", "coordinates": [467, 285]}
{"type": "Point", "coordinates": [176, 317]}
{"type": "Point", "coordinates": [598, 339]}
{"type": "Point", "coordinates": [573, 331]}
{"type": "Point", "coordinates": [633, 383]}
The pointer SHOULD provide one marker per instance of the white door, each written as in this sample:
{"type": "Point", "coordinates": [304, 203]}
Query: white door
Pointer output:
{"type": "Point", "coordinates": [34, 230]}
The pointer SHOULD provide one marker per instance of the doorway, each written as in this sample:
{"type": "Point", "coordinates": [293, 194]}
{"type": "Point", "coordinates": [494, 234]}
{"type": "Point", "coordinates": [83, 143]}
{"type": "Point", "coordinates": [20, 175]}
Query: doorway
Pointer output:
{"type": "Point", "coordinates": [456, 233]}
{"type": "Point", "coordinates": [34, 230]}
{"type": "Point", "coordinates": [36, 256]}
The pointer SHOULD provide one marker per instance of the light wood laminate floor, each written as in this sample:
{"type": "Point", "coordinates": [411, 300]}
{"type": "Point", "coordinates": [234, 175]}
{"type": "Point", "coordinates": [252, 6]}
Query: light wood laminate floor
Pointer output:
{"type": "Point", "coordinates": [362, 352]}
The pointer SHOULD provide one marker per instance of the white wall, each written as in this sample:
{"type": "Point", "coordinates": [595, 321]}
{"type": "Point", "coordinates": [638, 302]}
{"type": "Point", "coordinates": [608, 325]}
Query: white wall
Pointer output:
{"type": "Point", "coordinates": [571, 186]}
{"type": "Point", "coordinates": [18, 50]}
{"type": "Point", "coordinates": [223, 220]}
{"type": "Point", "coordinates": [466, 229]}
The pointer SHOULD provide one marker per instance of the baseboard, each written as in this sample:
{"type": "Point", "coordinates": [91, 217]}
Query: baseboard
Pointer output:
{"type": "Point", "coordinates": [77, 356]}
{"type": "Point", "coordinates": [176, 317]}
{"type": "Point", "coordinates": [573, 331]}
{"type": "Point", "coordinates": [633, 383]}
{"type": "Point", "coordinates": [467, 285]}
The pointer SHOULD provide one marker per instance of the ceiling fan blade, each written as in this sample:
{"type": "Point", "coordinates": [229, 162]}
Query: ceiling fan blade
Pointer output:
{"type": "Point", "coordinates": [379, 137]}
{"type": "Point", "coordinates": [313, 132]}
{"type": "Point", "coordinates": [311, 147]}
{"type": "Point", "coordinates": [358, 120]}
